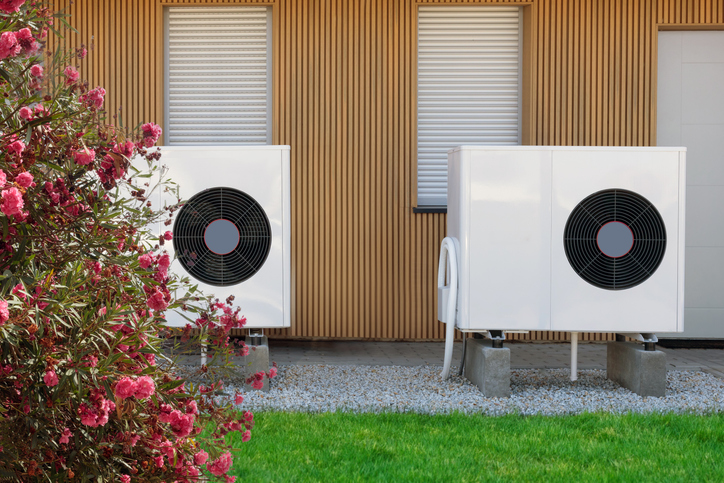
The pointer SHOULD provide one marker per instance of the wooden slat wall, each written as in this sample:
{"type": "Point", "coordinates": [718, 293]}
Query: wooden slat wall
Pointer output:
{"type": "Point", "coordinates": [364, 266]}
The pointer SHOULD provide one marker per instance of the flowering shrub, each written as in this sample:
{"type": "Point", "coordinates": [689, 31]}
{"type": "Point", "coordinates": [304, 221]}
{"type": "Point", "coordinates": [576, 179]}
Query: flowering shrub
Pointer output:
{"type": "Point", "coordinates": [84, 285]}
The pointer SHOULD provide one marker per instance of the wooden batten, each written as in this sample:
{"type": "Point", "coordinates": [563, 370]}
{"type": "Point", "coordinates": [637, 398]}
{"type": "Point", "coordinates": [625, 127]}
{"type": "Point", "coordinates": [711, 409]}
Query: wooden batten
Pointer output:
{"type": "Point", "coordinates": [344, 97]}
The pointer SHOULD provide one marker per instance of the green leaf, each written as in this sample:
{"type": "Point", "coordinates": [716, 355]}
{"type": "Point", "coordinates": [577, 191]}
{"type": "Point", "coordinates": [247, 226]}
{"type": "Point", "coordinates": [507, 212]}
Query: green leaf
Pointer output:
{"type": "Point", "coordinates": [5, 75]}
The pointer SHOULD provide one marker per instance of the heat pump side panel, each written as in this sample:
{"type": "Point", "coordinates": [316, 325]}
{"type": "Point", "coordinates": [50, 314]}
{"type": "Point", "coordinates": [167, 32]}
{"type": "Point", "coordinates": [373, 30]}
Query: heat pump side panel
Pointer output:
{"type": "Point", "coordinates": [505, 239]}
{"type": "Point", "coordinates": [263, 173]}
{"type": "Point", "coordinates": [651, 306]}
{"type": "Point", "coordinates": [457, 226]}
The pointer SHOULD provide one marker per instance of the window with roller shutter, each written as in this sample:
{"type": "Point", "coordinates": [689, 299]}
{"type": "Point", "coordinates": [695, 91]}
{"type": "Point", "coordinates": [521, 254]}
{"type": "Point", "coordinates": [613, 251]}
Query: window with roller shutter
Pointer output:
{"type": "Point", "coordinates": [468, 87]}
{"type": "Point", "coordinates": [218, 75]}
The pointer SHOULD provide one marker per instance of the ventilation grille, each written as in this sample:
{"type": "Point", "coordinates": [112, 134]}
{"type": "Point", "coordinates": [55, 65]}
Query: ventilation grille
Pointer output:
{"type": "Point", "coordinates": [248, 249]}
{"type": "Point", "coordinates": [633, 266]}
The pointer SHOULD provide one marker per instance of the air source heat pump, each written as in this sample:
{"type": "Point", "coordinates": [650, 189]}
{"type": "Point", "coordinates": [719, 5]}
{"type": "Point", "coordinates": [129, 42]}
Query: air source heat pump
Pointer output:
{"type": "Point", "coordinates": [575, 239]}
{"type": "Point", "coordinates": [232, 236]}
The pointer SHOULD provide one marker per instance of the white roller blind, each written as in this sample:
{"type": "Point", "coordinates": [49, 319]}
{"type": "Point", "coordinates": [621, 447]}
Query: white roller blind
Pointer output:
{"type": "Point", "coordinates": [468, 87]}
{"type": "Point", "coordinates": [218, 82]}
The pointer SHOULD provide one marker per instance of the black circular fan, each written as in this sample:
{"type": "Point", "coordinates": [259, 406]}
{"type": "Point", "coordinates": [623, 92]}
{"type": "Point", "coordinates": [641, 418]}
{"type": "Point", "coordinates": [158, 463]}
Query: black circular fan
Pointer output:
{"type": "Point", "coordinates": [222, 236]}
{"type": "Point", "coordinates": [615, 239]}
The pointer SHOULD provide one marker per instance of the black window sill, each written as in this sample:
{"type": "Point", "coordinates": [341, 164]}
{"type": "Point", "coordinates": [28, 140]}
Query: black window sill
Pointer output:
{"type": "Point", "coordinates": [430, 209]}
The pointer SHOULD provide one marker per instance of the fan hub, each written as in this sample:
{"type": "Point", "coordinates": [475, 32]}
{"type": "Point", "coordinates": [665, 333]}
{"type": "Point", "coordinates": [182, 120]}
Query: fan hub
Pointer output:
{"type": "Point", "coordinates": [615, 239]}
{"type": "Point", "coordinates": [221, 236]}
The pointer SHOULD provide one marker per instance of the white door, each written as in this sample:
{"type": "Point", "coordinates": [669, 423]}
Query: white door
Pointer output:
{"type": "Point", "coordinates": [690, 113]}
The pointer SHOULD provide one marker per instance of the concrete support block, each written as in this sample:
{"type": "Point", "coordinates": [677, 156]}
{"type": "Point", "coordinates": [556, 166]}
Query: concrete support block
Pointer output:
{"type": "Point", "coordinates": [643, 372]}
{"type": "Point", "coordinates": [257, 360]}
{"type": "Point", "coordinates": [488, 368]}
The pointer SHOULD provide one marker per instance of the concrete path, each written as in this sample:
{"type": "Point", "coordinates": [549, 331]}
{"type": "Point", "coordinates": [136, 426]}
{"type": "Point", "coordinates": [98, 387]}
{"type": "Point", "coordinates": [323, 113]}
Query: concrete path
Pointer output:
{"type": "Point", "coordinates": [522, 355]}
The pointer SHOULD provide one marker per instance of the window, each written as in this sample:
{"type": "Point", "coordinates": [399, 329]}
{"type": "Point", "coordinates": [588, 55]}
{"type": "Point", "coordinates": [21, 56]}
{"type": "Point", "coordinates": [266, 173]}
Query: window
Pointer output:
{"type": "Point", "coordinates": [468, 87]}
{"type": "Point", "coordinates": [218, 75]}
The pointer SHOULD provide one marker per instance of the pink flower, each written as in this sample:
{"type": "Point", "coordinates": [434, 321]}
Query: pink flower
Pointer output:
{"type": "Point", "coordinates": [125, 388]}
{"type": "Point", "coordinates": [36, 70]}
{"type": "Point", "coordinates": [26, 113]}
{"type": "Point", "coordinates": [9, 46]}
{"type": "Point", "coordinates": [84, 156]}
{"type": "Point", "coordinates": [192, 408]}
{"type": "Point", "coordinates": [71, 75]}
{"type": "Point", "coordinates": [82, 52]}
{"type": "Point", "coordinates": [16, 147]}
{"type": "Point", "coordinates": [220, 465]}
{"type": "Point", "coordinates": [50, 378]}
{"type": "Point", "coordinates": [125, 479]}
{"type": "Point", "coordinates": [126, 149]}
{"type": "Point", "coordinates": [200, 458]}
{"type": "Point", "coordinates": [4, 312]}
{"type": "Point", "coordinates": [40, 110]}
{"type": "Point", "coordinates": [96, 96]}
{"type": "Point", "coordinates": [168, 236]}
{"type": "Point", "coordinates": [238, 399]}
{"type": "Point", "coordinates": [181, 424]}
{"type": "Point", "coordinates": [3, 178]}
{"type": "Point", "coordinates": [156, 301]}
{"type": "Point", "coordinates": [151, 133]}
{"type": "Point", "coordinates": [246, 436]}
{"type": "Point", "coordinates": [19, 291]}
{"type": "Point", "coordinates": [11, 6]}
{"type": "Point", "coordinates": [272, 373]}
{"type": "Point", "coordinates": [164, 262]}
{"type": "Point", "coordinates": [12, 202]}
{"type": "Point", "coordinates": [24, 179]}
{"type": "Point", "coordinates": [26, 41]}
{"type": "Point", "coordinates": [159, 461]}
{"type": "Point", "coordinates": [248, 416]}
{"type": "Point", "coordinates": [145, 387]}
{"type": "Point", "coordinates": [65, 437]}
{"type": "Point", "coordinates": [145, 260]}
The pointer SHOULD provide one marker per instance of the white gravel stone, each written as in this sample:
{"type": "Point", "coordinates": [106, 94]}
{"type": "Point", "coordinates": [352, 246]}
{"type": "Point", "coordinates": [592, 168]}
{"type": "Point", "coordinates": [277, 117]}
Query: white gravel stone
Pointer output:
{"type": "Point", "coordinates": [321, 388]}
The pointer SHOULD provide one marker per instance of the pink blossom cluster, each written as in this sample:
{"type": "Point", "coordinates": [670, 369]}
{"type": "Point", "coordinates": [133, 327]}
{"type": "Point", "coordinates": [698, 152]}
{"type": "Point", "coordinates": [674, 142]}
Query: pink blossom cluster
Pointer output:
{"type": "Point", "coordinates": [12, 202]}
{"type": "Point", "coordinates": [140, 388]}
{"type": "Point", "coordinates": [11, 6]}
{"type": "Point", "coordinates": [14, 43]}
{"type": "Point", "coordinates": [181, 424]}
{"type": "Point", "coordinates": [96, 413]}
{"type": "Point", "coordinates": [65, 437]}
{"type": "Point", "coordinates": [71, 75]}
{"type": "Point", "coordinates": [94, 97]}
{"type": "Point", "coordinates": [50, 378]}
{"type": "Point", "coordinates": [15, 147]}
{"type": "Point", "coordinates": [151, 133]}
{"type": "Point", "coordinates": [220, 465]}
{"type": "Point", "coordinates": [4, 312]}
{"type": "Point", "coordinates": [126, 149]}
{"type": "Point", "coordinates": [84, 156]}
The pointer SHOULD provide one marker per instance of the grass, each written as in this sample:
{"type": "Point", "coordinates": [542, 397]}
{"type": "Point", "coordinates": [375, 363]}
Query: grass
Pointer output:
{"type": "Point", "coordinates": [333, 447]}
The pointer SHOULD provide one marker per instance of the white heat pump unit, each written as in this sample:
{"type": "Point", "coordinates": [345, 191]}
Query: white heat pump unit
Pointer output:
{"type": "Point", "coordinates": [232, 236]}
{"type": "Point", "coordinates": [575, 239]}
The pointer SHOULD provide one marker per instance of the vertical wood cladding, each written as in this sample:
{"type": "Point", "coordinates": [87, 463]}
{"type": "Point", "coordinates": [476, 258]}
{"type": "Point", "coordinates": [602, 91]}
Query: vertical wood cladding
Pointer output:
{"type": "Point", "coordinates": [364, 266]}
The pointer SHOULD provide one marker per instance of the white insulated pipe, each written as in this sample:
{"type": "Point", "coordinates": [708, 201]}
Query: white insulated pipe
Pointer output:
{"type": "Point", "coordinates": [203, 353]}
{"type": "Point", "coordinates": [448, 265]}
{"type": "Point", "coordinates": [574, 356]}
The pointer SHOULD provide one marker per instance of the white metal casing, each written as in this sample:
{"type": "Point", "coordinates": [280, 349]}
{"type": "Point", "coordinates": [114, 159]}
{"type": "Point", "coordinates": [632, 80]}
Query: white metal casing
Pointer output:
{"type": "Point", "coordinates": [507, 209]}
{"type": "Point", "coordinates": [263, 173]}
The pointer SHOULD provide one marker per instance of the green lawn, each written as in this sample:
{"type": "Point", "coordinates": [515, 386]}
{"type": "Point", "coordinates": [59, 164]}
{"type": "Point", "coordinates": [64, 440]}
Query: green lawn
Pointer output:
{"type": "Point", "coordinates": [334, 447]}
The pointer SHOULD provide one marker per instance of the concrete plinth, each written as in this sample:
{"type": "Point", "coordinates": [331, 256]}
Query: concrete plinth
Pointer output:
{"type": "Point", "coordinates": [643, 372]}
{"type": "Point", "coordinates": [488, 368]}
{"type": "Point", "coordinates": [257, 360]}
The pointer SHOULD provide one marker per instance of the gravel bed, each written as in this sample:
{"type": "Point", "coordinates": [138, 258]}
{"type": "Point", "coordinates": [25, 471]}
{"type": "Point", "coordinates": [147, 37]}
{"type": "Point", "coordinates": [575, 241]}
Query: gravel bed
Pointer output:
{"type": "Point", "coordinates": [420, 389]}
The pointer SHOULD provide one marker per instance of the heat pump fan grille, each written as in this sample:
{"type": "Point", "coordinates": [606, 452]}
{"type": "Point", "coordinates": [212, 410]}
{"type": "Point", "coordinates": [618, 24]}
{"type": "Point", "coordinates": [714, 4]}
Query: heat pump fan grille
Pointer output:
{"type": "Point", "coordinates": [615, 239]}
{"type": "Point", "coordinates": [222, 236]}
